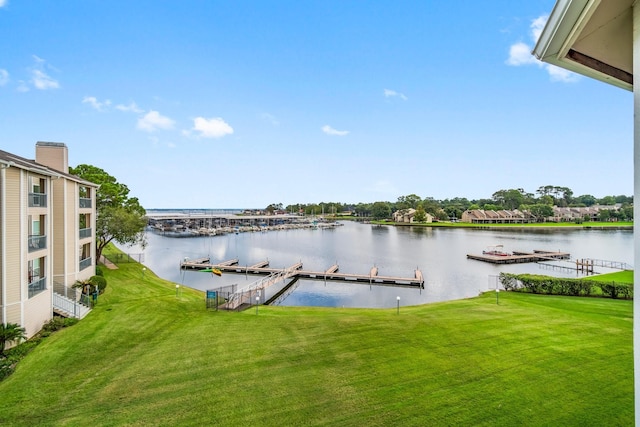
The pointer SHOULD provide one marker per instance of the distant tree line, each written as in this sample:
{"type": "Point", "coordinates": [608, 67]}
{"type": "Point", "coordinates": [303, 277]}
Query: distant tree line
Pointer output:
{"type": "Point", "coordinates": [540, 204]}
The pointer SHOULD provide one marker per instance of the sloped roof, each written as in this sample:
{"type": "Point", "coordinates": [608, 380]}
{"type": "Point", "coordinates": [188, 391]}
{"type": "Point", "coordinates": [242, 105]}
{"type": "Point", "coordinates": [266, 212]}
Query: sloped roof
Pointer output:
{"type": "Point", "coordinates": [591, 37]}
{"type": "Point", "coordinates": [12, 160]}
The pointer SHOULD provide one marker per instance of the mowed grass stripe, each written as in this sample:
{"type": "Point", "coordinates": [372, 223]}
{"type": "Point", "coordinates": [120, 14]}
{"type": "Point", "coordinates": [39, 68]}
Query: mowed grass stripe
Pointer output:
{"type": "Point", "coordinates": [145, 356]}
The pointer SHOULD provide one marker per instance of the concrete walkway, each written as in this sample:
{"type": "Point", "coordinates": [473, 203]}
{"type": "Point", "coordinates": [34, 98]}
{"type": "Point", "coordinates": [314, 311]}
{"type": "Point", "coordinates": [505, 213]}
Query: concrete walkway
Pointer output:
{"type": "Point", "coordinates": [107, 263]}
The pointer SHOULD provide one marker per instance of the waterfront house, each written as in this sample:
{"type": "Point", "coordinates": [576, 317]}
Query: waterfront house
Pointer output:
{"type": "Point", "coordinates": [407, 216]}
{"type": "Point", "coordinates": [47, 236]}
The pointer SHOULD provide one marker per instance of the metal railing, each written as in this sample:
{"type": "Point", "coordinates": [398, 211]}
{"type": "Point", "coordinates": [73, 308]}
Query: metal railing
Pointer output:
{"type": "Point", "coordinates": [37, 200]}
{"type": "Point", "coordinates": [84, 233]}
{"type": "Point", "coordinates": [85, 263]}
{"type": "Point", "coordinates": [37, 242]}
{"type": "Point", "coordinates": [84, 202]}
{"type": "Point", "coordinates": [37, 286]}
{"type": "Point", "coordinates": [69, 306]}
{"type": "Point", "coordinates": [254, 290]}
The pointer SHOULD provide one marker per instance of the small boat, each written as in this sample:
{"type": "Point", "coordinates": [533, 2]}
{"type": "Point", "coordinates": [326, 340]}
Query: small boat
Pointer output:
{"type": "Point", "coordinates": [212, 271]}
{"type": "Point", "coordinates": [495, 250]}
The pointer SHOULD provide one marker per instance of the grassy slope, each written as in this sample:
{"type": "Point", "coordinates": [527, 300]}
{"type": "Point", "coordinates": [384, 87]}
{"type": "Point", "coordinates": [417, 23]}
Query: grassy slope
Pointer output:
{"type": "Point", "coordinates": [145, 356]}
{"type": "Point", "coordinates": [625, 276]}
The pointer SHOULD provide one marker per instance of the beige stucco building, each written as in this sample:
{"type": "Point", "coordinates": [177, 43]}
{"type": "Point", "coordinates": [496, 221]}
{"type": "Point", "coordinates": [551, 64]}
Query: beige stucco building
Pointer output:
{"type": "Point", "coordinates": [47, 235]}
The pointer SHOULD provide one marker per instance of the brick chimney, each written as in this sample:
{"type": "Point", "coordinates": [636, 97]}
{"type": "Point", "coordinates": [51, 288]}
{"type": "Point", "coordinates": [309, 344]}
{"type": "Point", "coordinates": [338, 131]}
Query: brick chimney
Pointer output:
{"type": "Point", "coordinates": [53, 155]}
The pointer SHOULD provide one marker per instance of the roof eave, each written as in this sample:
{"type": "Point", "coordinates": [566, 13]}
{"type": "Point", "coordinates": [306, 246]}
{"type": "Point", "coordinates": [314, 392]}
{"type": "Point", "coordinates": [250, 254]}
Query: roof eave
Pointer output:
{"type": "Point", "coordinates": [554, 45]}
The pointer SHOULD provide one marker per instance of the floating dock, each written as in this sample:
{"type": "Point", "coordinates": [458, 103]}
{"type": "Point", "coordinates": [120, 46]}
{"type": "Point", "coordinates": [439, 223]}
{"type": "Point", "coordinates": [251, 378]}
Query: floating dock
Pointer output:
{"type": "Point", "coordinates": [373, 278]}
{"type": "Point", "coordinates": [521, 257]}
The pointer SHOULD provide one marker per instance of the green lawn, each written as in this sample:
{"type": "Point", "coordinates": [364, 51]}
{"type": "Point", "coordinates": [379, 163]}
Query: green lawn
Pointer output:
{"type": "Point", "coordinates": [625, 276]}
{"type": "Point", "coordinates": [145, 356]}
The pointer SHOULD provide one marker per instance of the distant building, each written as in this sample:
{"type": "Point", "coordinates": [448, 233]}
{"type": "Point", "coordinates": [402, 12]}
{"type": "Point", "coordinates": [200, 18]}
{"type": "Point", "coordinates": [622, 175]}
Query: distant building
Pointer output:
{"type": "Point", "coordinates": [47, 236]}
{"type": "Point", "coordinates": [407, 216]}
{"type": "Point", "coordinates": [481, 216]}
{"type": "Point", "coordinates": [568, 214]}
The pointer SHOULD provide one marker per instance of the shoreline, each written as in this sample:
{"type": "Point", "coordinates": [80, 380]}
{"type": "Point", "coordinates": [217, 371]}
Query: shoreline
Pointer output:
{"type": "Point", "coordinates": [508, 227]}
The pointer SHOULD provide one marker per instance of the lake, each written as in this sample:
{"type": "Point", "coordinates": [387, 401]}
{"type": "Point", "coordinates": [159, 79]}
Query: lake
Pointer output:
{"type": "Point", "coordinates": [440, 253]}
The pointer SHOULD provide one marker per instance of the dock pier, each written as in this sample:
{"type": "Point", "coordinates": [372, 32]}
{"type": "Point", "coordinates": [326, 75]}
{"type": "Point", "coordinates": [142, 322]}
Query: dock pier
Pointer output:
{"type": "Point", "coordinates": [521, 257]}
{"type": "Point", "coordinates": [262, 268]}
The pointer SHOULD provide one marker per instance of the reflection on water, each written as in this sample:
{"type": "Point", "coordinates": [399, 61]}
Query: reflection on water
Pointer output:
{"type": "Point", "coordinates": [440, 253]}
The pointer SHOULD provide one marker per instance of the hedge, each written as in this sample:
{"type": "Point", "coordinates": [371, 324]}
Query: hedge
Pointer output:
{"type": "Point", "coordinates": [538, 284]}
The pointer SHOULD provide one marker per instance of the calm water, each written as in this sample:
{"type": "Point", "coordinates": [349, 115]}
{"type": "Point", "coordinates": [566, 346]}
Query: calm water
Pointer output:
{"type": "Point", "coordinates": [438, 252]}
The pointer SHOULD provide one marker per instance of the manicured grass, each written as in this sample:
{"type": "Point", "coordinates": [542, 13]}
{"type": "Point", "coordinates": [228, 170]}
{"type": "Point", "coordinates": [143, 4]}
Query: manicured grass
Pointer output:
{"type": "Point", "coordinates": [625, 276]}
{"type": "Point", "coordinates": [145, 356]}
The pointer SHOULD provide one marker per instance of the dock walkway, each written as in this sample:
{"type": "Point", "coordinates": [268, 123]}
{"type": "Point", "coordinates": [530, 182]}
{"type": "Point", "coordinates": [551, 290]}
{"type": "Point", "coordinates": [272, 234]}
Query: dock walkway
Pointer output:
{"type": "Point", "coordinates": [331, 273]}
{"type": "Point", "coordinates": [521, 257]}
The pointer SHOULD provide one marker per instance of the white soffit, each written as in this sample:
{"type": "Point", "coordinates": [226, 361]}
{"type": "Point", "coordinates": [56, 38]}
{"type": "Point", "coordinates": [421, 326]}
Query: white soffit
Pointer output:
{"type": "Point", "coordinates": [591, 37]}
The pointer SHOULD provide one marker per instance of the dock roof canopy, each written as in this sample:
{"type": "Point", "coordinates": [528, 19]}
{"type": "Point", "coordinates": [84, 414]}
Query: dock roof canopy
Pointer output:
{"type": "Point", "coordinates": [591, 37]}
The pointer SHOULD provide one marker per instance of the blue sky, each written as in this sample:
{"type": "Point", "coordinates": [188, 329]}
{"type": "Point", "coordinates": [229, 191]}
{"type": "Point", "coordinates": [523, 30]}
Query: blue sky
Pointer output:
{"type": "Point", "coordinates": [218, 104]}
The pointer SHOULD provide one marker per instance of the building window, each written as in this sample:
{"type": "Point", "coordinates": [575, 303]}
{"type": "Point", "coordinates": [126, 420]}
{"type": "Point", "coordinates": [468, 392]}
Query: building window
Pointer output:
{"type": "Point", "coordinates": [84, 195]}
{"type": "Point", "coordinates": [37, 238]}
{"type": "Point", "coordinates": [37, 196]}
{"type": "Point", "coordinates": [85, 226]}
{"type": "Point", "coordinates": [85, 256]}
{"type": "Point", "coordinates": [37, 279]}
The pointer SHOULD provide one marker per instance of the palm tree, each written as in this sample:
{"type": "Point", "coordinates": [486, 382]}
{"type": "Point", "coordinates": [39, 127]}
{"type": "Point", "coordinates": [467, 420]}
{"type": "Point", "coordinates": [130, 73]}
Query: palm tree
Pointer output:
{"type": "Point", "coordinates": [9, 333]}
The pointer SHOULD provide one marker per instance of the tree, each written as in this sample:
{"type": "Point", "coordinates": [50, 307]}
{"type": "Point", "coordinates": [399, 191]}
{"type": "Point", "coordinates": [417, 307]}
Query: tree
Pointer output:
{"type": "Point", "coordinates": [380, 210]}
{"type": "Point", "coordinates": [607, 201]}
{"type": "Point", "coordinates": [10, 332]}
{"type": "Point", "coordinates": [586, 199]}
{"type": "Point", "coordinates": [509, 199]}
{"type": "Point", "coordinates": [119, 218]}
{"type": "Point", "coordinates": [274, 207]}
{"type": "Point", "coordinates": [420, 215]}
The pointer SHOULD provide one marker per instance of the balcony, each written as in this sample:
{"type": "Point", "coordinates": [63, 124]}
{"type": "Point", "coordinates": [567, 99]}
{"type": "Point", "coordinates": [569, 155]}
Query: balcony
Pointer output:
{"type": "Point", "coordinates": [37, 286]}
{"type": "Point", "coordinates": [37, 242]}
{"type": "Point", "coordinates": [84, 233]}
{"type": "Point", "coordinates": [85, 203]}
{"type": "Point", "coordinates": [37, 200]}
{"type": "Point", "coordinates": [85, 263]}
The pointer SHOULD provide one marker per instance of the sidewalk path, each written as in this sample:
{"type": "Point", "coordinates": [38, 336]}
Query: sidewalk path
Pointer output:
{"type": "Point", "coordinates": [107, 263]}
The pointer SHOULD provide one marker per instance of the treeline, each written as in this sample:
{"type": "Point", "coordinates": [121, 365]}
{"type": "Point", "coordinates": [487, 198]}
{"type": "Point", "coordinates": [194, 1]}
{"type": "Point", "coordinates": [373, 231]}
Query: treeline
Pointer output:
{"type": "Point", "coordinates": [539, 203]}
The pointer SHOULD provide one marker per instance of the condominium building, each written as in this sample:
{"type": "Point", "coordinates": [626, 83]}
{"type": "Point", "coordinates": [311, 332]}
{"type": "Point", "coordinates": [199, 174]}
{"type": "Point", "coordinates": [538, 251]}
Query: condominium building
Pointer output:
{"type": "Point", "coordinates": [47, 236]}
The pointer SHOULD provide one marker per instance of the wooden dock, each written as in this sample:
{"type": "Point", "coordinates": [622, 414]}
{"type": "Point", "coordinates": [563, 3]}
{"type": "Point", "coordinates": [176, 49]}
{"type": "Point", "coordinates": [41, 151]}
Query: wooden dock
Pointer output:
{"type": "Point", "coordinates": [521, 257]}
{"type": "Point", "coordinates": [262, 268]}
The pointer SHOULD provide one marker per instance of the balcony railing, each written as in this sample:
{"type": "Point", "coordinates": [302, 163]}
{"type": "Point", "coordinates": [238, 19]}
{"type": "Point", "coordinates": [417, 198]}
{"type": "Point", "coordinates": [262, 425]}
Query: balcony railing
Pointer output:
{"type": "Point", "coordinates": [85, 202]}
{"type": "Point", "coordinates": [37, 242]}
{"type": "Point", "coordinates": [85, 263]}
{"type": "Point", "coordinates": [37, 286]}
{"type": "Point", "coordinates": [37, 200]}
{"type": "Point", "coordinates": [84, 233]}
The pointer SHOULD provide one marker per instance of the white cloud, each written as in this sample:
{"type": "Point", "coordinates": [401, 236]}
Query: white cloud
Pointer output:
{"type": "Point", "coordinates": [537, 25]}
{"type": "Point", "coordinates": [211, 128]}
{"type": "Point", "coordinates": [93, 102]}
{"type": "Point", "coordinates": [132, 108]}
{"type": "Point", "coordinates": [4, 76]}
{"type": "Point", "coordinates": [43, 81]}
{"type": "Point", "coordinates": [520, 54]}
{"type": "Point", "coordinates": [153, 121]}
{"type": "Point", "coordinates": [39, 78]}
{"type": "Point", "coordinates": [3, 3]}
{"type": "Point", "coordinates": [331, 131]}
{"type": "Point", "coordinates": [388, 93]}
{"type": "Point", "coordinates": [558, 74]}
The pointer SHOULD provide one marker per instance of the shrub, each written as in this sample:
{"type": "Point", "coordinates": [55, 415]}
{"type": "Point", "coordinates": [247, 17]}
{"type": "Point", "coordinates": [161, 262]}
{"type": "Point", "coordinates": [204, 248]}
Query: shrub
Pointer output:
{"type": "Point", "coordinates": [99, 282]}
